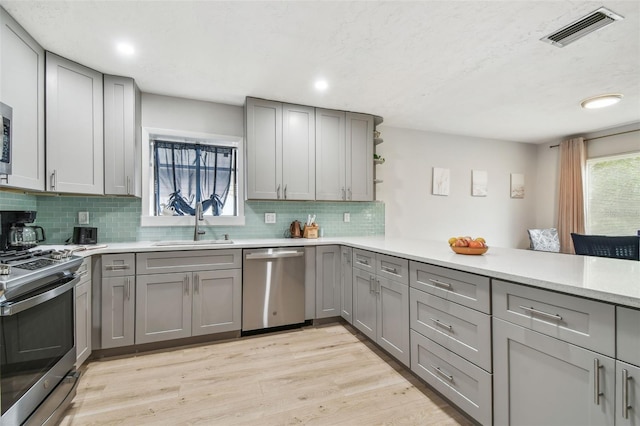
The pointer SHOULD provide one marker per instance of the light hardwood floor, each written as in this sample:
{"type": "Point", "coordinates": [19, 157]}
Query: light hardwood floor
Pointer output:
{"type": "Point", "coordinates": [316, 376]}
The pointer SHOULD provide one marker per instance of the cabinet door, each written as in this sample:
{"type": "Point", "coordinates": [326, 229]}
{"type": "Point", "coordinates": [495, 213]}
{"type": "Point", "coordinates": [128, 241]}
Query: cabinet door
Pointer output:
{"type": "Point", "coordinates": [118, 307]}
{"type": "Point", "coordinates": [365, 303]}
{"type": "Point", "coordinates": [122, 138]}
{"type": "Point", "coordinates": [83, 322]}
{"type": "Point", "coordinates": [327, 281]}
{"type": "Point", "coordinates": [540, 380]}
{"type": "Point", "coordinates": [298, 153]}
{"type": "Point", "coordinates": [264, 149]}
{"type": "Point", "coordinates": [163, 307]}
{"type": "Point", "coordinates": [346, 284]}
{"type": "Point", "coordinates": [627, 394]}
{"type": "Point", "coordinates": [330, 155]}
{"type": "Point", "coordinates": [74, 126]}
{"type": "Point", "coordinates": [359, 157]}
{"type": "Point", "coordinates": [217, 301]}
{"type": "Point", "coordinates": [22, 88]}
{"type": "Point", "coordinates": [393, 319]}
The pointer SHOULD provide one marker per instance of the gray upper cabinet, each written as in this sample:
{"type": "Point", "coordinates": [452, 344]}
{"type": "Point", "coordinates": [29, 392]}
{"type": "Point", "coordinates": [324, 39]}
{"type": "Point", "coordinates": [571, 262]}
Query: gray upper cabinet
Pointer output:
{"type": "Point", "coordinates": [22, 88]}
{"type": "Point", "coordinates": [344, 153]}
{"type": "Point", "coordinates": [74, 127]}
{"type": "Point", "coordinates": [122, 137]}
{"type": "Point", "coordinates": [280, 150]}
{"type": "Point", "coordinates": [328, 281]}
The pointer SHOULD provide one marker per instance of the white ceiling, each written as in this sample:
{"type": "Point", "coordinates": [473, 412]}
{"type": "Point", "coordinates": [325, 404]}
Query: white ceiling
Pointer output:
{"type": "Point", "coordinates": [473, 68]}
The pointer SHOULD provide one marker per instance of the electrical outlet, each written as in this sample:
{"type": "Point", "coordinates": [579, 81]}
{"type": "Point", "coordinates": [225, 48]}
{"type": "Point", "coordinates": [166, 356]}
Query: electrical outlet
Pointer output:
{"type": "Point", "coordinates": [83, 218]}
{"type": "Point", "coordinates": [347, 217]}
{"type": "Point", "coordinates": [269, 218]}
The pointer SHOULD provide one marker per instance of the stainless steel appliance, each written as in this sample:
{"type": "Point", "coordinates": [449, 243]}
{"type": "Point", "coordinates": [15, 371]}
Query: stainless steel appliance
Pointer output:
{"type": "Point", "coordinates": [272, 287]}
{"type": "Point", "coordinates": [37, 346]}
{"type": "Point", "coordinates": [85, 235]}
{"type": "Point", "coordinates": [12, 223]}
{"type": "Point", "coordinates": [6, 115]}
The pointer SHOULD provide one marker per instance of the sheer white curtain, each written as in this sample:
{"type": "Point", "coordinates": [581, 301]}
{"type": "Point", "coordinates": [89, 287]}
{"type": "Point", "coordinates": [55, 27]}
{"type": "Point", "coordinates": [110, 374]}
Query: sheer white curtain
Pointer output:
{"type": "Point", "coordinates": [571, 194]}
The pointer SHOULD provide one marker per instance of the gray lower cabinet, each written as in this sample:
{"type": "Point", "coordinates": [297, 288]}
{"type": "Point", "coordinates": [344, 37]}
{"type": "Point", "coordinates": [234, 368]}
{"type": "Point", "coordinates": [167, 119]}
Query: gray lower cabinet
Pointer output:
{"type": "Point", "coordinates": [346, 284]}
{"type": "Point", "coordinates": [541, 380]}
{"type": "Point", "coordinates": [83, 313]}
{"type": "Point", "coordinates": [118, 308]}
{"type": "Point", "coordinates": [627, 394]}
{"type": "Point", "coordinates": [217, 301]}
{"type": "Point", "coordinates": [364, 303]}
{"type": "Point", "coordinates": [328, 277]}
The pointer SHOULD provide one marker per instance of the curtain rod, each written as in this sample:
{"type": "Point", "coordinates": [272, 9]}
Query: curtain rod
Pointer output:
{"type": "Point", "coordinates": [600, 137]}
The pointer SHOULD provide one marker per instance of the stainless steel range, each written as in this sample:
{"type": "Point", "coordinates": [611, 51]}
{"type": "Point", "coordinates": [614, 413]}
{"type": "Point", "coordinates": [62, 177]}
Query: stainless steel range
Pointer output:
{"type": "Point", "coordinates": [37, 346]}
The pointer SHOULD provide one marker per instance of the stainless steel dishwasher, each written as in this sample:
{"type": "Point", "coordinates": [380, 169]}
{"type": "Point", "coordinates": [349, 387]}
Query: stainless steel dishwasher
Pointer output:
{"type": "Point", "coordinates": [272, 287]}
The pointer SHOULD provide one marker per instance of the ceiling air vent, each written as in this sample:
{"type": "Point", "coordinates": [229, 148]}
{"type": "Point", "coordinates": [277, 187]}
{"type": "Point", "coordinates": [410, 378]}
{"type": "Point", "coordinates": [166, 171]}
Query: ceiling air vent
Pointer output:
{"type": "Point", "coordinates": [580, 28]}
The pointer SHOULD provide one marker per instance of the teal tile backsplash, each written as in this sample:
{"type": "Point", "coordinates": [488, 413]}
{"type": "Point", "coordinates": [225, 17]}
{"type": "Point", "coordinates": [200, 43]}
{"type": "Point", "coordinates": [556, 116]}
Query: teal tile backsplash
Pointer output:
{"type": "Point", "coordinates": [118, 219]}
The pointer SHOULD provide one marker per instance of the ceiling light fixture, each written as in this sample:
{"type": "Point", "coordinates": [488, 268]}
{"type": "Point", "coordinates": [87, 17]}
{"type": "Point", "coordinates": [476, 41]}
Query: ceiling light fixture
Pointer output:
{"type": "Point", "coordinates": [321, 85]}
{"type": "Point", "coordinates": [125, 49]}
{"type": "Point", "coordinates": [601, 101]}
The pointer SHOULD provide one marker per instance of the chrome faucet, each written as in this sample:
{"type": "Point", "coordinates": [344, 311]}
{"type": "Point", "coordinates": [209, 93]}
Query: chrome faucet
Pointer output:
{"type": "Point", "coordinates": [199, 215]}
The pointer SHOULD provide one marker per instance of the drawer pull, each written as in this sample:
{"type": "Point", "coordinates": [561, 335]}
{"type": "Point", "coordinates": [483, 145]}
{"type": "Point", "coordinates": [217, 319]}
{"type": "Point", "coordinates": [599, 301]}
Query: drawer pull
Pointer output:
{"type": "Point", "coordinates": [596, 381]}
{"type": "Point", "coordinates": [625, 394]}
{"type": "Point", "coordinates": [362, 262]}
{"type": "Point", "coordinates": [441, 324]}
{"type": "Point", "coordinates": [440, 283]}
{"type": "Point", "coordinates": [442, 373]}
{"type": "Point", "coordinates": [116, 267]}
{"type": "Point", "coordinates": [390, 270]}
{"type": "Point", "coordinates": [542, 313]}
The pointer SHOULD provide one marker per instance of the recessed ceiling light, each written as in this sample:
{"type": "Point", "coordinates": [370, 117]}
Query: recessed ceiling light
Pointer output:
{"type": "Point", "coordinates": [321, 85]}
{"type": "Point", "coordinates": [601, 101]}
{"type": "Point", "coordinates": [125, 49]}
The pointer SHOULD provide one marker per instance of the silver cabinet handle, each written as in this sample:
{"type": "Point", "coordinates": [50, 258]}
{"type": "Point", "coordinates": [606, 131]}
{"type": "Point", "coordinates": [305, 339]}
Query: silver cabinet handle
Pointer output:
{"type": "Point", "coordinates": [442, 373]}
{"type": "Point", "coordinates": [128, 185]}
{"type": "Point", "coordinates": [441, 324]}
{"type": "Point", "coordinates": [186, 284]}
{"type": "Point", "coordinates": [52, 180]}
{"type": "Point", "coordinates": [362, 261]}
{"type": "Point", "coordinates": [285, 192]}
{"type": "Point", "coordinates": [370, 283]}
{"type": "Point", "coordinates": [116, 267]}
{"type": "Point", "coordinates": [596, 381]}
{"type": "Point", "coordinates": [440, 283]}
{"type": "Point", "coordinates": [379, 287]}
{"type": "Point", "coordinates": [390, 270]}
{"type": "Point", "coordinates": [278, 192]}
{"type": "Point", "coordinates": [349, 192]}
{"type": "Point", "coordinates": [344, 194]}
{"type": "Point", "coordinates": [625, 394]}
{"type": "Point", "coordinates": [196, 284]}
{"type": "Point", "coordinates": [542, 313]}
{"type": "Point", "coordinates": [128, 289]}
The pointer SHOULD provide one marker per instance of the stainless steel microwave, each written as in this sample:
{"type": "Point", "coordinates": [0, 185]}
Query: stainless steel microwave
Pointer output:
{"type": "Point", "coordinates": [6, 114]}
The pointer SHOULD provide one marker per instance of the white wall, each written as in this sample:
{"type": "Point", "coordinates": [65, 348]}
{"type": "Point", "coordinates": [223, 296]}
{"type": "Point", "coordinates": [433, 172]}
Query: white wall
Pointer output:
{"type": "Point", "coordinates": [412, 212]}
{"type": "Point", "coordinates": [165, 112]}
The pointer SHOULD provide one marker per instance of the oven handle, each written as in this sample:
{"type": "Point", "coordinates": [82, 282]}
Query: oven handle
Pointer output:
{"type": "Point", "coordinates": [36, 300]}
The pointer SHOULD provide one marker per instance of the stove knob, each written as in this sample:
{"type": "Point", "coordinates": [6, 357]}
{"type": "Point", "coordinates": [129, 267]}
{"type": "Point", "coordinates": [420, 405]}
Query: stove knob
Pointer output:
{"type": "Point", "coordinates": [56, 255]}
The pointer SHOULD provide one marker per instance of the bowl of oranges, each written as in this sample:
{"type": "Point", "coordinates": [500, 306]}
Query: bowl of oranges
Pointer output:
{"type": "Point", "coordinates": [468, 245]}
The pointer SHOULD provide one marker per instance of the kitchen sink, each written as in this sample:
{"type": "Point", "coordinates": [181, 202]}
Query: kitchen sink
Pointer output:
{"type": "Point", "coordinates": [192, 243]}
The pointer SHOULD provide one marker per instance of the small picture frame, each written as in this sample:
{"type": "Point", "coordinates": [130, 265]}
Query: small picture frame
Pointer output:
{"type": "Point", "coordinates": [517, 185]}
{"type": "Point", "coordinates": [479, 183]}
{"type": "Point", "coordinates": [440, 183]}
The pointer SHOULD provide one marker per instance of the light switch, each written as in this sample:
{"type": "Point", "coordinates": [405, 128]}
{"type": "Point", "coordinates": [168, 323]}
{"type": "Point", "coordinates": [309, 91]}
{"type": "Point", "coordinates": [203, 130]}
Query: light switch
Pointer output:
{"type": "Point", "coordinates": [269, 218]}
{"type": "Point", "coordinates": [83, 218]}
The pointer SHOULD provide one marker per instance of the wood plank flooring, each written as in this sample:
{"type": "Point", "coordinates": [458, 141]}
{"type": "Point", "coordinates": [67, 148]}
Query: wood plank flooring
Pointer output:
{"type": "Point", "coordinates": [312, 376]}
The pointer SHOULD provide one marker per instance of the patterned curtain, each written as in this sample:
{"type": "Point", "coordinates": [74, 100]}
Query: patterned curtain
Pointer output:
{"type": "Point", "coordinates": [571, 193]}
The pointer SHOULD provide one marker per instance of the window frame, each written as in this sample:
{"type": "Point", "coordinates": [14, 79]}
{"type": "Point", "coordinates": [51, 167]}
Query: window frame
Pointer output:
{"type": "Point", "coordinates": [147, 219]}
{"type": "Point", "coordinates": [598, 159]}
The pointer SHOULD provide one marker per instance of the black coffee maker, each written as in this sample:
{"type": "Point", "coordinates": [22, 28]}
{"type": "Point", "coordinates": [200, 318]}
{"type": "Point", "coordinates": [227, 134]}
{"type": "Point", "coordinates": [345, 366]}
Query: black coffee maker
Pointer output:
{"type": "Point", "coordinates": [12, 220]}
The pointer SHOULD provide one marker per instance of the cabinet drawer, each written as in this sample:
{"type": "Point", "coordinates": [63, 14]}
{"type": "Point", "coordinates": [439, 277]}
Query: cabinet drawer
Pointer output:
{"type": "Point", "coordinates": [473, 291]}
{"type": "Point", "coordinates": [392, 268]}
{"type": "Point", "coordinates": [118, 265]}
{"type": "Point", "coordinates": [364, 260]}
{"type": "Point", "coordinates": [462, 330]}
{"type": "Point", "coordinates": [467, 386]}
{"type": "Point", "coordinates": [188, 261]}
{"type": "Point", "coordinates": [628, 336]}
{"type": "Point", "coordinates": [84, 271]}
{"type": "Point", "coordinates": [583, 322]}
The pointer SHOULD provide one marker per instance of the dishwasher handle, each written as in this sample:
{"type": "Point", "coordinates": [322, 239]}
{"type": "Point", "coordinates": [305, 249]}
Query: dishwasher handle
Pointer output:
{"type": "Point", "coordinates": [275, 255]}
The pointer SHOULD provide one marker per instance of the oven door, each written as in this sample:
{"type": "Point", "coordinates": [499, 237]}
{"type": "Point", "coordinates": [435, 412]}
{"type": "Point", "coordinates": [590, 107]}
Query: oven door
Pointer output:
{"type": "Point", "coordinates": [37, 347]}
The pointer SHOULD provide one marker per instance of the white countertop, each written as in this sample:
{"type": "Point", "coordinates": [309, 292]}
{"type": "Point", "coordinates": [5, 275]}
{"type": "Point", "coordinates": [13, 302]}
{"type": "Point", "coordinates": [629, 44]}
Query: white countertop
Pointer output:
{"type": "Point", "coordinates": [608, 280]}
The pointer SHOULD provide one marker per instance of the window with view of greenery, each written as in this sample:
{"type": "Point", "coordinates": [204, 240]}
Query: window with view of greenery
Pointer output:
{"type": "Point", "coordinates": [613, 195]}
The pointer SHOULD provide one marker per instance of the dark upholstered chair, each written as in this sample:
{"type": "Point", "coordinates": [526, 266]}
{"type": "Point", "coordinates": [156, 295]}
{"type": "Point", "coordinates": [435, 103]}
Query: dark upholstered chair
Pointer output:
{"type": "Point", "coordinates": [605, 246]}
